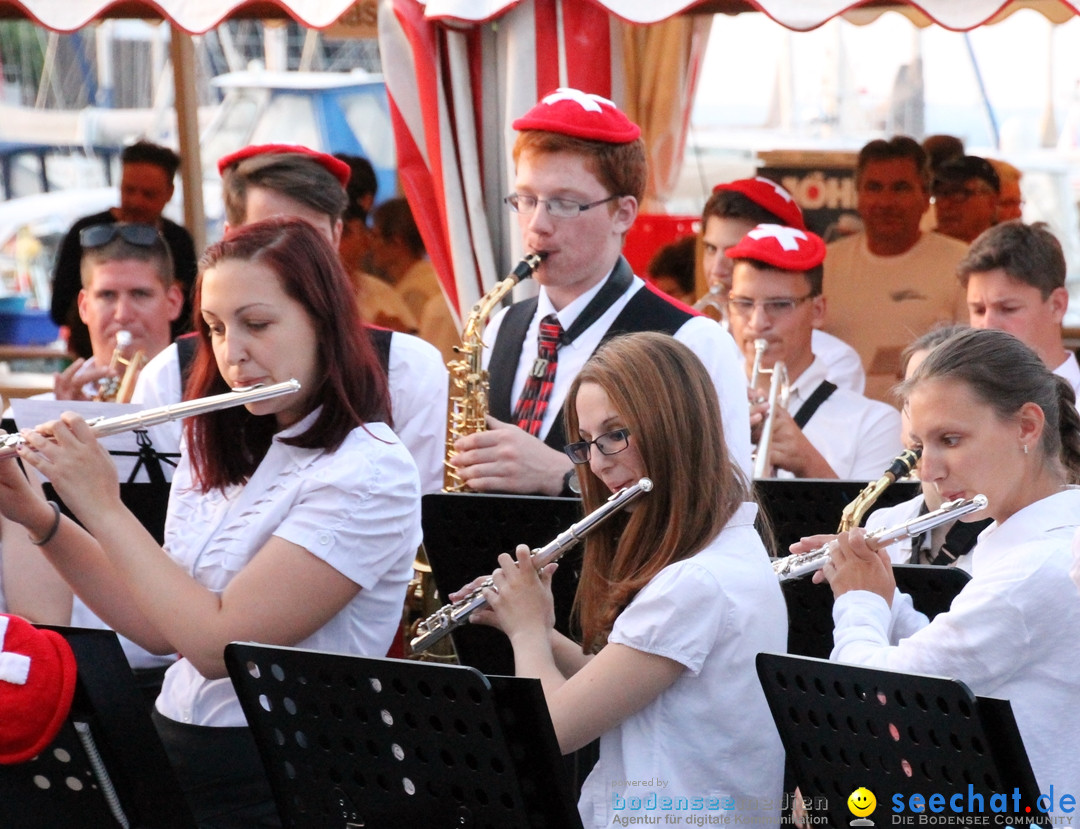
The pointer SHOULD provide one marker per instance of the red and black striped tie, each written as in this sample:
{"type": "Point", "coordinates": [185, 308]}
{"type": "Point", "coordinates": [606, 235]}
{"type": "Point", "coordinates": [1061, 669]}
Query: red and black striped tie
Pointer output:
{"type": "Point", "coordinates": [529, 412]}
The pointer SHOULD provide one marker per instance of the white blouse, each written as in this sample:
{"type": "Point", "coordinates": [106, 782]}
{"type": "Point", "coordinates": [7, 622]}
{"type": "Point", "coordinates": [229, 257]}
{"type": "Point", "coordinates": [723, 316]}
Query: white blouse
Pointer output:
{"type": "Point", "coordinates": [357, 508]}
{"type": "Point", "coordinates": [1013, 632]}
{"type": "Point", "coordinates": [710, 735]}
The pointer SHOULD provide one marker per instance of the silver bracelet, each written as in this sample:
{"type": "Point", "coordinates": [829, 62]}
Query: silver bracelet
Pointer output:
{"type": "Point", "coordinates": [45, 539]}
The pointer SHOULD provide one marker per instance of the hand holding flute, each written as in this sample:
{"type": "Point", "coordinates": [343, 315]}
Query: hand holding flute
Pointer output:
{"type": "Point", "coordinates": [519, 599]}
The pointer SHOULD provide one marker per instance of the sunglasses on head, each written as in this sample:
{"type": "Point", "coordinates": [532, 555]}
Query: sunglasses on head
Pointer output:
{"type": "Point", "coordinates": [96, 236]}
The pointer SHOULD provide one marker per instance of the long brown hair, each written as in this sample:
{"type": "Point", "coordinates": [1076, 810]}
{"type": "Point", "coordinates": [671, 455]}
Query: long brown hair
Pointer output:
{"type": "Point", "coordinates": [227, 445]}
{"type": "Point", "coordinates": [668, 402]}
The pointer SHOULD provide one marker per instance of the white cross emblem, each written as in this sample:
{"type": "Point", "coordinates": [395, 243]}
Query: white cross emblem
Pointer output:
{"type": "Point", "coordinates": [14, 667]}
{"type": "Point", "coordinates": [586, 100]}
{"type": "Point", "coordinates": [788, 237]}
{"type": "Point", "coordinates": [780, 191]}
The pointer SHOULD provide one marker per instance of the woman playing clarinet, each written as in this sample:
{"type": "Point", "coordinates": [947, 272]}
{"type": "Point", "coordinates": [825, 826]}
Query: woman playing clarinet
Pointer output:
{"type": "Point", "coordinates": [676, 598]}
{"type": "Point", "coordinates": [292, 521]}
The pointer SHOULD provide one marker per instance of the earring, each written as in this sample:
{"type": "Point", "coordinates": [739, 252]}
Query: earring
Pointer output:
{"type": "Point", "coordinates": [1025, 448]}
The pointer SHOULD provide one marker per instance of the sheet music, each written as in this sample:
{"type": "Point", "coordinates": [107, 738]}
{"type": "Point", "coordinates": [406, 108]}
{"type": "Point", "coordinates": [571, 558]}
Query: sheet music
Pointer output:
{"type": "Point", "coordinates": [30, 412]}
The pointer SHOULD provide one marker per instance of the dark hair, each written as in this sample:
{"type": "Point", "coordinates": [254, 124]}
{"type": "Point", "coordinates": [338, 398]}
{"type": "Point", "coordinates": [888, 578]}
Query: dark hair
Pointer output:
{"type": "Point", "coordinates": [677, 260]}
{"type": "Point", "coordinates": [815, 276]}
{"type": "Point", "coordinates": [731, 204]}
{"type": "Point", "coordinates": [931, 339]}
{"type": "Point", "coordinates": [146, 152]}
{"type": "Point", "coordinates": [362, 185]}
{"type": "Point", "coordinates": [393, 219]}
{"type": "Point", "coordinates": [669, 404]}
{"type": "Point", "coordinates": [1005, 374]}
{"type": "Point", "coordinates": [296, 176]}
{"type": "Point", "coordinates": [966, 167]}
{"type": "Point", "coordinates": [622, 169]}
{"type": "Point", "coordinates": [1027, 253]}
{"type": "Point", "coordinates": [228, 445]}
{"type": "Point", "coordinates": [899, 146]}
{"type": "Point", "coordinates": [941, 147]}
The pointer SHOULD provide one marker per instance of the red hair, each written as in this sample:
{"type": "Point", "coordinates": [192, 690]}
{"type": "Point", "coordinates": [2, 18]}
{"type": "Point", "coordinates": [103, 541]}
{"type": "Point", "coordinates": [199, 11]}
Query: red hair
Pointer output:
{"type": "Point", "coordinates": [226, 446]}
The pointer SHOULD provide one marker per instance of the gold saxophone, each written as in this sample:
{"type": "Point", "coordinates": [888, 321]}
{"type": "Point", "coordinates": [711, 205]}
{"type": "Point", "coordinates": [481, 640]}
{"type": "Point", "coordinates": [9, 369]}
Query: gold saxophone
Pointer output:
{"type": "Point", "coordinates": [901, 467]}
{"type": "Point", "coordinates": [466, 412]}
{"type": "Point", "coordinates": [468, 406]}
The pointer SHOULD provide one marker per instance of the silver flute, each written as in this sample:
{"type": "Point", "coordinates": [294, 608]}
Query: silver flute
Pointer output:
{"type": "Point", "coordinates": [452, 616]}
{"type": "Point", "coordinates": [802, 564]}
{"type": "Point", "coordinates": [104, 426]}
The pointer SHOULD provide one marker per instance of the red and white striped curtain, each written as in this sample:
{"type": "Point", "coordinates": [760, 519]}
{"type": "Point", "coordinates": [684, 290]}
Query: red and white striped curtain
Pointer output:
{"type": "Point", "coordinates": [456, 87]}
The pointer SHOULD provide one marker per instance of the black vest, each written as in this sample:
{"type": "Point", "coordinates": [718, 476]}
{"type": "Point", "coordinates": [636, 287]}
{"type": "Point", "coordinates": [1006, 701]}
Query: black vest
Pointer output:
{"type": "Point", "coordinates": [646, 311]}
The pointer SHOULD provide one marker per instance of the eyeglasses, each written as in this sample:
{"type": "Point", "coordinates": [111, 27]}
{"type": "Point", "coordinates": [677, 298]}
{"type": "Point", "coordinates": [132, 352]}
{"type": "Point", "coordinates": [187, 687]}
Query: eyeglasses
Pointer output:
{"type": "Point", "coordinates": [744, 306]}
{"type": "Point", "coordinates": [611, 443]}
{"type": "Point", "coordinates": [97, 236]}
{"type": "Point", "coordinates": [556, 208]}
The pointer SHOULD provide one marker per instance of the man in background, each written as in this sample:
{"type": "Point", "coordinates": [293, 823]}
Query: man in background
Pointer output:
{"type": "Point", "coordinates": [146, 186]}
{"type": "Point", "coordinates": [1014, 276]}
{"type": "Point", "coordinates": [966, 192]}
{"type": "Point", "coordinates": [892, 282]}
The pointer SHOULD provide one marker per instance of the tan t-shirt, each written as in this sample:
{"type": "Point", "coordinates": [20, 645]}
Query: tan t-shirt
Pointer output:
{"type": "Point", "coordinates": [879, 304]}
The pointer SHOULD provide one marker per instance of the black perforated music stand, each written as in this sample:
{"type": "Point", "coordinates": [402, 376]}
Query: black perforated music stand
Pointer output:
{"type": "Point", "coordinates": [63, 786]}
{"type": "Point", "coordinates": [846, 727]}
{"type": "Point", "coordinates": [464, 533]}
{"type": "Point", "coordinates": [810, 624]}
{"type": "Point", "coordinates": [801, 507]}
{"type": "Point", "coordinates": [350, 741]}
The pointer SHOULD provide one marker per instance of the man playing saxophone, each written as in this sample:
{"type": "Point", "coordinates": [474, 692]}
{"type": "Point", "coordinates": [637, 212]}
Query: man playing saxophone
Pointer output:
{"type": "Point", "coordinates": [127, 285]}
{"type": "Point", "coordinates": [824, 431]}
{"type": "Point", "coordinates": [580, 175]}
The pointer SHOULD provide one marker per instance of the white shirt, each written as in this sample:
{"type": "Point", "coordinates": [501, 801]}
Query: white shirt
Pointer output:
{"type": "Point", "coordinates": [713, 346]}
{"type": "Point", "coordinates": [713, 612]}
{"type": "Point", "coordinates": [1013, 633]}
{"type": "Point", "coordinates": [1070, 370]}
{"type": "Point", "coordinates": [858, 437]}
{"type": "Point", "coordinates": [842, 364]}
{"type": "Point", "coordinates": [419, 393]}
{"type": "Point", "coordinates": [357, 509]}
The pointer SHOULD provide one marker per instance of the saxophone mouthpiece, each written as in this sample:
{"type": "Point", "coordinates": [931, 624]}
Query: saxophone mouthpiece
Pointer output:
{"type": "Point", "coordinates": [527, 266]}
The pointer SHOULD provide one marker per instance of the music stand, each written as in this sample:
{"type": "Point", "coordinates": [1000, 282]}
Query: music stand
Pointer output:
{"type": "Point", "coordinates": [350, 741]}
{"type": "Point", "coordinates": [799, 507]}
{"type": "Point", "coordinates": [464, 533]}
{"type": "Point", "coordinates": [107, 754]}
{"type": "Point", "coordinates": [846, 727]}
{"type": "Point", "coordinates": [810, 623]}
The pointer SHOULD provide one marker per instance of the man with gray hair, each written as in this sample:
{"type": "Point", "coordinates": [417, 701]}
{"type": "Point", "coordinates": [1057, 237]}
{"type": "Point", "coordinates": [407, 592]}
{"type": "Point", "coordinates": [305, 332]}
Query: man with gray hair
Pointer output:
{"type": "Point", "coordinates": [1014, 275]}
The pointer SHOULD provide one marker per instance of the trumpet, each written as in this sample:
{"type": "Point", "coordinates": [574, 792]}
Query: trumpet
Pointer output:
{"type": "Point", "coordinates": [793, 567]}
{"type": "Point", "coordinates": [116, 387]}
{"type": "Point", "coordinates": [779, 389]}
{"type": "Point", "coordinates": [452, 616]}
{"type": "Point", "coordinates": [105, 426]}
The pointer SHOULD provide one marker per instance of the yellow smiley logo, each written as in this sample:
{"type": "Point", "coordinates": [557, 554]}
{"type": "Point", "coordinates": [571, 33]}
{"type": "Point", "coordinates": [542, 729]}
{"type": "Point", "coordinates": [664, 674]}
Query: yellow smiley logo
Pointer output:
{"type": "Point", "coordinates": [862, 802]}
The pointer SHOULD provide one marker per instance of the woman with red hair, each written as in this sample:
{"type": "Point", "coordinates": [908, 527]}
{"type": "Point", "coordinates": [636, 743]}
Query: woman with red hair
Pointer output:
{"type": "Point", "coordinates": [292, 521]}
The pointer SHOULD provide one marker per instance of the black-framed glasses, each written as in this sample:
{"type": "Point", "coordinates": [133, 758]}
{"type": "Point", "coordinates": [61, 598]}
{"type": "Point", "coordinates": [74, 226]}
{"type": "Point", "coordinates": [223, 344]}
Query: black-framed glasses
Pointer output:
{"type": "Point", "coordinates": [140, 235]}
{"type": "Point", "coordinates": [557, 208]}
{"type": "Point", "coordinates": [609, 443]}
{"type": "Point", "coordinates": [778, 307]}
